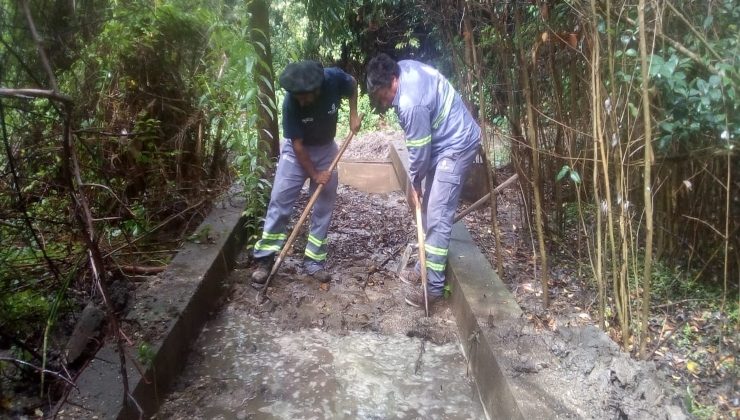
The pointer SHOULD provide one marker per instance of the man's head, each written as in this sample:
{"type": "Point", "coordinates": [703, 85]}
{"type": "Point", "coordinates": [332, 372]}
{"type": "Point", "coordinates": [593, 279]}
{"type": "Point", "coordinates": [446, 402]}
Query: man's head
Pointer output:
{"type": "Point", "coordinates": [382, 81]}
{"type": "Point", "coordinates": [303, 80]}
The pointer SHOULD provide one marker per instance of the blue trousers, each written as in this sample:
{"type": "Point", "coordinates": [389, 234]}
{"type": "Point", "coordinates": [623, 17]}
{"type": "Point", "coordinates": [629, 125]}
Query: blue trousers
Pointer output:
{"type": "Point", "coordinates": [289, 180]}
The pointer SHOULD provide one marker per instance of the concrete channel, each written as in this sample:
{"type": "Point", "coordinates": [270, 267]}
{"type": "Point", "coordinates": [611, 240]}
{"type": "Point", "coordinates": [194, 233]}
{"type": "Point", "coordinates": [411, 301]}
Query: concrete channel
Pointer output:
{"type": "Point", "coordinates": [178, 304]}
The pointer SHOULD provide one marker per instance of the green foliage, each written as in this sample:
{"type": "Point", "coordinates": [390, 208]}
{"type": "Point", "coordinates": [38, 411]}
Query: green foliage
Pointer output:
{"type": "Point", "coordinates": [372, 120]}
{"type": "Point", "coordinates": [565, 170]}
{"type": "Point", "coordinates": [673, 283]}
{"type": "Point", "coordinates": [145, 353]}
{"type": "Point", "coordinates": [698, 410]}
{"type": "Point", "coordinates": [22, 310]}
{"type": "Point", "coordinates": [698, 107]}
{"type": "Point", "coordinates": [164, 101]}
{"type": "Point", "coordinates": [289, 23]}
{"type": "Point", "coordinates": [202, 236]}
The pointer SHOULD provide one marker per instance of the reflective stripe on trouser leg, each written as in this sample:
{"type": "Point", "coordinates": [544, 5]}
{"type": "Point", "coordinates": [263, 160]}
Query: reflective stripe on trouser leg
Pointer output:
{"type": "Point", "coordinates": [442, 195]}
{"type": "Point", "coordinates": [322, 157]}
{"type": "Point", "coordinates": [289, 178]}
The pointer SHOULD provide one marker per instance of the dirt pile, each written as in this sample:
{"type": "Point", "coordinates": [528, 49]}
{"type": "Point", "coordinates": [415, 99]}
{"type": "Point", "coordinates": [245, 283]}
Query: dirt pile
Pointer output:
{"type": "Point", "coordinates": [372, 146]}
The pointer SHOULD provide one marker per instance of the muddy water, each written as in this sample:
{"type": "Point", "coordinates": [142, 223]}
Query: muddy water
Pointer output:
{"type": "Point", "coordinates": [245, 368]}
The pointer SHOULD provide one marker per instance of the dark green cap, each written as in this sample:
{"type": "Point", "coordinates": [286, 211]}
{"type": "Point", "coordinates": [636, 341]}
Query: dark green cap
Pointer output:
{"type": "Point", "coordinates": [302, 76]}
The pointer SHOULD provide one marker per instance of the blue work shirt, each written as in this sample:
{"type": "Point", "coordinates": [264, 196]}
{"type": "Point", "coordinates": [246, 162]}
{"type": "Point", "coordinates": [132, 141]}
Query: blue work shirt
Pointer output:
{"type": "Point", "coordinates": [316, 124]}
{"type": "Point", "coordinates": [433, 116]}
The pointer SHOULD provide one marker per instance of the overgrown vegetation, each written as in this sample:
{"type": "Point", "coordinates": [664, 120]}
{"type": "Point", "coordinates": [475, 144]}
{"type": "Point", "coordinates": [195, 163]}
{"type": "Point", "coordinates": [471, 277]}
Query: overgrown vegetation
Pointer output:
{"type": "Point", "coordinates": [620, 118]}
{"type": "Point", "coordinates": [161, 106]}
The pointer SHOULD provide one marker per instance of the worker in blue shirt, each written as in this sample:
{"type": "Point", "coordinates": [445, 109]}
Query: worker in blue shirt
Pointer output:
{"type": "Point", "coordinates": [310, 110]}
{"type": "Point", "coordinates": [442, 139]}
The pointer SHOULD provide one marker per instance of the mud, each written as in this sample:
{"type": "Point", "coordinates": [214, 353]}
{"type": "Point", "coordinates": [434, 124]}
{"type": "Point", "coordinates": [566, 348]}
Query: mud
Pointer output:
{"type": "Point", "coordinates": [366, 239]}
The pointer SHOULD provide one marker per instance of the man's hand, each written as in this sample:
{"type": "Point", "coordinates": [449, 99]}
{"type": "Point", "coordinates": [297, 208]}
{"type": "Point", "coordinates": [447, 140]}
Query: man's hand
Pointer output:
{"type": "Point", "coordinates": [416, 196]}
{"type": "Point", "coordinates": [321, 177]}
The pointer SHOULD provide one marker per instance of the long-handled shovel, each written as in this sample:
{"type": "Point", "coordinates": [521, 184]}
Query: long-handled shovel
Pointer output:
{"type": "Point", "coordinates": [262, 294]}
{"type": "Point", "coordinates": [422, 251]}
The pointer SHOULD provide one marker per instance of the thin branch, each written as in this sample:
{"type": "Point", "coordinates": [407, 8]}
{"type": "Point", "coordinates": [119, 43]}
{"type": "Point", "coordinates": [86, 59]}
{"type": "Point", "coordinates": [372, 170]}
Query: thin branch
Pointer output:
{"type": "Point", "coordinates": [693, 29]}
{"type": "Point", "coordinates": [21, 202]}
{"type": "Point", "coordinates": [35, 93]}
{"type": "Point", "coordinates": [165, 222]}
{"type": "Point", "coordinates": [680, 48]}
{"type": "Point", "coordinates": [20, 61]}
{"type": "Point", "coordinates": [707, 224]}
{"type": "Point", "coordinates": [38, 41]}
{"type": "Point", "coordinates": [51, 372]}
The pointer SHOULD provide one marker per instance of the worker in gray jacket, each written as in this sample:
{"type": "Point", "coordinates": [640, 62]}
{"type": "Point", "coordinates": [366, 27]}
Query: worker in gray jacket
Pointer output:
{"type": "Point", "coordinates": [310, 110]}
{"type": "Point", "coordinates": [442, 139]}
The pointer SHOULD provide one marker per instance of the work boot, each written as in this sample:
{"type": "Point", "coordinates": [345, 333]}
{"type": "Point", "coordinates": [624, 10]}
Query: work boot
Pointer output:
{"type": "Point", "coordinates": [316, 270]}
{"type": "Point", "coordinates": [415, 298]}
{"type": "Point", "coordinates": [260, 274]}
{"type": "Point", "coordinates": [410, 276]}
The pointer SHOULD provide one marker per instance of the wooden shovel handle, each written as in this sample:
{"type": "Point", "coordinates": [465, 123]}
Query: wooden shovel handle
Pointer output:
{"type": "Point", "coordinates": [422, 250]}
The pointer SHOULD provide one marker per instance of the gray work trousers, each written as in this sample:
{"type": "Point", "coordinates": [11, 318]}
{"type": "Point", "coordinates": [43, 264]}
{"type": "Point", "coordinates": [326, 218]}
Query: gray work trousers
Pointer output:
{"type": "Point", "coordinates": [289, 180]}
{"type": "Point", "coordinates": [442, 187]}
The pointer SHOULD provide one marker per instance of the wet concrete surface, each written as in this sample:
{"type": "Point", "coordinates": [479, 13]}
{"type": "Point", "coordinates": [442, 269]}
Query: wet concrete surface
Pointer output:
{"type": "Point", "coordinates": [245, 367]}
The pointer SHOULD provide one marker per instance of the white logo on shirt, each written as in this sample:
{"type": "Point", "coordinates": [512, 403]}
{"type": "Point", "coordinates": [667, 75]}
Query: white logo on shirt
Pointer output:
{"type": "Point", "coordinates": [307, 120]}
{"type": "Point", "coordinates": [333, 109]}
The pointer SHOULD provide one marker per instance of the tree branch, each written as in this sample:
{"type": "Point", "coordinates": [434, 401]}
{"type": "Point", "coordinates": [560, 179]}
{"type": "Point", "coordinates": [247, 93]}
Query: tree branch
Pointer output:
{"type": "Point", "coordinates": [37, 40]}
{"type": "Point", "coordinates": [35, 93]}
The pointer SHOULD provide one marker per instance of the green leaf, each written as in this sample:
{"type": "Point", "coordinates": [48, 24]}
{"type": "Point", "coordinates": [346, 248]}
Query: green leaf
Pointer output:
{"type": "Point", "coordinates": [667, 126]}
{"type": "Point", "coordinates": [670, 67]}
{"type": "Point", "coordinates": [575, 177]}
{"type": "Point", "coordinates": [631, 52]}
{"type": "Point", "coordinates": [563, 171]}
{"type": "Point", "coordinates": [633, 109]}
{"type": "Point", "coordinates": [656, 65]}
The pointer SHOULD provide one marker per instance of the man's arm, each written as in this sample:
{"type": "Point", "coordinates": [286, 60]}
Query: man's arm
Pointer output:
{"type": "Point", "coordinates": [354, 119]}
{"type": "Point", "coordinates": [320, 177]}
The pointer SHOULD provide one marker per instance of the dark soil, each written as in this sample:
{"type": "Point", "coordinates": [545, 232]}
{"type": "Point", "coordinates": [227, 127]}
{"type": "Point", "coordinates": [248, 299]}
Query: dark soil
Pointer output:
{"type": "Point", "coordinates": [367, 235]}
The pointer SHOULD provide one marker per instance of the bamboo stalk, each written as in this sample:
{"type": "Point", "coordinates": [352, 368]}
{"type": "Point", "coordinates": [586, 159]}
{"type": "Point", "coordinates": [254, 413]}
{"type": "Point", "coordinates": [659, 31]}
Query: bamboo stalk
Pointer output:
{"type": "Point", "coordinates": [618, 287]}
{"type": "Point", "coordinates": [528, 87]}
{"type": "Point", "coordinates": [647, 178]}
{"type": "Point", "coordinates": [489, 161]}
{"type": "Point", "coordinates": [598, 258]}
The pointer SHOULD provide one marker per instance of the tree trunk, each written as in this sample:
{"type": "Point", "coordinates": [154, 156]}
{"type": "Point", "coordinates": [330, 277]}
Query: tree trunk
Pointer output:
{"type": "Point", "coordinates": [264, 76]}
